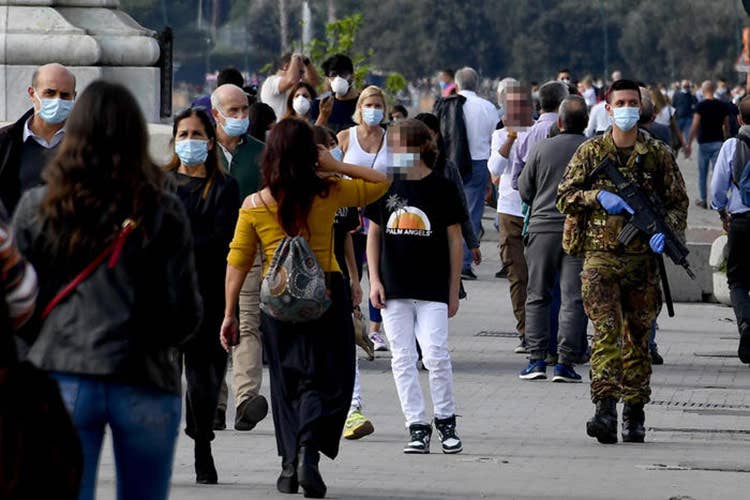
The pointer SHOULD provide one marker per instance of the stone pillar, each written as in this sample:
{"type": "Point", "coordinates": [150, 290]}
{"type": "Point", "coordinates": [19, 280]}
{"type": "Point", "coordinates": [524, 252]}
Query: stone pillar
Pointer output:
{"type": "Point", "coordinates": [93, 38]}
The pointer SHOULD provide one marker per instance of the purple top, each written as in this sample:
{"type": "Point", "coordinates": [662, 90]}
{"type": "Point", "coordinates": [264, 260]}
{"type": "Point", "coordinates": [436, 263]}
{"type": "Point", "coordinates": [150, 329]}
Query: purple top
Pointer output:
{"type": "Point", "coordinates": [539, 131]}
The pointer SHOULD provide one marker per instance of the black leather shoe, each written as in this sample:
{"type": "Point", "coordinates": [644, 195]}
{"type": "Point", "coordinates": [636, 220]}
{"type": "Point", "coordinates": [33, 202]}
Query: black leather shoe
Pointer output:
{"type": "Point", "coordinates": [603, 425]}
{"type": "Point", "coordinates": [205, 471]}
{"type": "Point", "coordinates": [633, 419]}
{"type": "Point", "coordinates": [468, 274]}
{"type": "Point", "coordinates": [220, 420]}
{"type": "Point", "coordinates": [308, 473]}
{"type": "Point", "coordinates": [743, 351]}
{"type": "Point", "coordinates": [287, 481]}
{"type": "Point", "coordinates": [656, 358]}
{"type": "Point", "coordinates": [250, 412]}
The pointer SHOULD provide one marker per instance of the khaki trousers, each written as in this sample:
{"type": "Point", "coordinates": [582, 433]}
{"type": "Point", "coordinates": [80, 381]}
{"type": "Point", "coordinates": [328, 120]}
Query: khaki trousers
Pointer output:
{"type": "Point", "coordinates": [247, 356]}
{"type": "Point", "coordinates": [511, 254]}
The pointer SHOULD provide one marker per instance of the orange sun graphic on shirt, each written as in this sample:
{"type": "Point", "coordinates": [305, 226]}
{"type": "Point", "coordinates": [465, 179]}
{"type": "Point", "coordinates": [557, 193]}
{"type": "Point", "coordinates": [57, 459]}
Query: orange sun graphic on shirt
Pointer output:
{"type": "Point", "coordinates": [409, 218]}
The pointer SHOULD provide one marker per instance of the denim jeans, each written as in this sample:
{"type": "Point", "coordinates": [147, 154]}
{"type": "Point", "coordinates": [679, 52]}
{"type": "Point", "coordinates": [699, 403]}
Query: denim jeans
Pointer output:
{"type": "Point", "coordinates": [707, 153]}
{"type": "Point", "coordinates": [144, 423]}
{"type": "Point", "coordinates": [684, 125]}
{"type": "Point", "coordinates": [474, 187]}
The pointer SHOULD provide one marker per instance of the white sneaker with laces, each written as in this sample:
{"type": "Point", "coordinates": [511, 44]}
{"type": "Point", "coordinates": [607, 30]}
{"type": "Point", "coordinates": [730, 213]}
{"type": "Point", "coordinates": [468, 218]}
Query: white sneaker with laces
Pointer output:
{"type": "Point", "coordinates": [379, 341]}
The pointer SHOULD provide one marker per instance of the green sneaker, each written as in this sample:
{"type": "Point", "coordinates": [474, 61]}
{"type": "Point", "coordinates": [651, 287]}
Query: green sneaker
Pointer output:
{"type": "Point", "coordinates": [357, 426]}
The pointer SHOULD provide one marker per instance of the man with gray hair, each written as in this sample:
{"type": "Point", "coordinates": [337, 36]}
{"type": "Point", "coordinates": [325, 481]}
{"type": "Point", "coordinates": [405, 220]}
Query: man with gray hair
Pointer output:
{"type": "Point", "coordinates": [481, 118]}
{"type": "Point", "coordinates": [546, 261]}
{"type": "Point", "coordinates": [551, 94]}
{"type": "Point", "coordinates": [239, 154]}
{"type": "Point", "coordinates": [27, 145]}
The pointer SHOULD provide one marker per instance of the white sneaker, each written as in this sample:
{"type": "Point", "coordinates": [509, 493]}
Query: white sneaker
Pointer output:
{"type": "Point", "coordinates": [379, 341]}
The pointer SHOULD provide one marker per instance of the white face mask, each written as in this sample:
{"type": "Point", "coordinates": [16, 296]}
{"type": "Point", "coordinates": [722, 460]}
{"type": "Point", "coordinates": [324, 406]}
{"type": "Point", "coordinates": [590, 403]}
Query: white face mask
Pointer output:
{"type": "Point", "coordinates": [339, 86]}
{"type": "Point", "coordinates": [301, 105]}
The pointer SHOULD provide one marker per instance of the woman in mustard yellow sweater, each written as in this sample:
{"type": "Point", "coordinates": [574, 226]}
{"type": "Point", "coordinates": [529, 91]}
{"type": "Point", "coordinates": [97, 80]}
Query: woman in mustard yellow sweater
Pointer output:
{"type": "Point", "coordinates": [311, 364]}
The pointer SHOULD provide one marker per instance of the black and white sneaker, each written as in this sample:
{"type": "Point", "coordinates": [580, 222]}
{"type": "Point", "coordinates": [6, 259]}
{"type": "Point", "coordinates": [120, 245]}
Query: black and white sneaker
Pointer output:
{"type": "Point", "coordinates": [419, 438]}
{"type": "Point", "coordinates": [446, 429]}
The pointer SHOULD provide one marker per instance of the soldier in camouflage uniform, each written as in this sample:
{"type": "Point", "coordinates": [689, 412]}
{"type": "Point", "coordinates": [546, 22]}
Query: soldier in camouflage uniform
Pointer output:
{"type": "Point", "coordinates": [620, 285]}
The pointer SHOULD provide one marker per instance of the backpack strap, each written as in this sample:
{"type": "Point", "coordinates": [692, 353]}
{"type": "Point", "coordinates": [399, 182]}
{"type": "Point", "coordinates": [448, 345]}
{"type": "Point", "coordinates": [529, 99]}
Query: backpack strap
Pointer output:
{"type": "Point", "coordinates": [741, 157]}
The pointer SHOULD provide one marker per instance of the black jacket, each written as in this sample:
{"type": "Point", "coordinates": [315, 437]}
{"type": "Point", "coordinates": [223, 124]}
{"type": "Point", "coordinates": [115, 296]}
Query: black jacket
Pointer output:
{"type": "Point", "coordinates": [450, 111]}
{"type": "Point", "coordinates": [11, 140]}
{"type": "Point", "coordinates": [125, 323]}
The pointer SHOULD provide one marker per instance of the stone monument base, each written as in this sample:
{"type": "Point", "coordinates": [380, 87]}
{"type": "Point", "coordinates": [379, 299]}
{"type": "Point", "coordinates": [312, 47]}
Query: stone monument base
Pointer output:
{"type": "Point", "coordinates": [143, 82]}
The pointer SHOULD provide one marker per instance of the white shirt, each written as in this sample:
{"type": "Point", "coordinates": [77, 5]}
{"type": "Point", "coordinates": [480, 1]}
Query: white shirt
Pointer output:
{"type": "Point", "coordinates": [271, 95]}
{"type": "Point", "coordinates": [589, 95]}
{"type": "Point", "coordinates": [480, 117]}
{"type": "Point", "coordinates": [508, 199]}
{"type": "Point", "coordinates": [664, 116]}
{"type": "Point", "coordinates": [56, 139]}
{"type": "Point", "coordinates": [599, 120]}
{"type": "Point", "coordinates": [227, 154]}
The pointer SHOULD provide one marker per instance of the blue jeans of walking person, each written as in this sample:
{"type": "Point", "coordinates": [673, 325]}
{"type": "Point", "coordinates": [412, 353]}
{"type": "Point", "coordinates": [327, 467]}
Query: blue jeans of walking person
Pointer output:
{"type": "Point", "coordinates": [144, 423]}
{"type": "Point", "coordinates": [684, 125]}
{"type": "Point", "coordinates": [707, 153]}
{"type": "Point", "coordinates": [474, 187]}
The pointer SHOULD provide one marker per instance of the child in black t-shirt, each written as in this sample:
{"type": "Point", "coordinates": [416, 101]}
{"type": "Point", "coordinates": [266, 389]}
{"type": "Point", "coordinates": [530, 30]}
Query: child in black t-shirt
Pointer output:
{"type": "Point", "coordinates": [414, 252]}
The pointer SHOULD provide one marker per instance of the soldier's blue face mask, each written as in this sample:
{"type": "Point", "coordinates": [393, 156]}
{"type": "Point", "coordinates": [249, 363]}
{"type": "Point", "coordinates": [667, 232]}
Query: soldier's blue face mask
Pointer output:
{"type": "Point", "coordinates": [626, 117]}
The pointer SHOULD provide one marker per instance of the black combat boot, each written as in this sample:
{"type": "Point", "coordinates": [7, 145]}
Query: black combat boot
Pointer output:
{"type": "Point", "coordinates": [603, 425]}
{"type": "Point", "coordinates": [633, 418]}
{"type": "Point", "coordinates": [308, 474]}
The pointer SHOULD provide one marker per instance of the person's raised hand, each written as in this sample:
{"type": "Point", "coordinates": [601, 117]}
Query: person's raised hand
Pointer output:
{"type": "Point", "coordinates": [326, 162]}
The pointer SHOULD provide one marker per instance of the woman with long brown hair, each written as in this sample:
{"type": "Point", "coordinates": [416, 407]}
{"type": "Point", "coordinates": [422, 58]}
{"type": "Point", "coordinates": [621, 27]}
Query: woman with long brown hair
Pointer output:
{"type": "Point", "coordinates": [300, 100]}
{"type": "Point", "coordinates": [311, 363]}
{"type": "Point", "coordinates": [211, 199]}
{"type": "Point", "coordinates": [118, 290]}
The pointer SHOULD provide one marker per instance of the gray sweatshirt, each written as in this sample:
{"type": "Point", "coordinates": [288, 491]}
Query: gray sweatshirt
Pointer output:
{"type": "Point", "coordinates": [539, 179]}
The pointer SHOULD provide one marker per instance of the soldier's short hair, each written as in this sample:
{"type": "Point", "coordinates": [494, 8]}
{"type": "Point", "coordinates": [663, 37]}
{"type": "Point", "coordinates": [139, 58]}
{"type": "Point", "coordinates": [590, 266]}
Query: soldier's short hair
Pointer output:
{"type": "Point", "coordinates": [624, 85]}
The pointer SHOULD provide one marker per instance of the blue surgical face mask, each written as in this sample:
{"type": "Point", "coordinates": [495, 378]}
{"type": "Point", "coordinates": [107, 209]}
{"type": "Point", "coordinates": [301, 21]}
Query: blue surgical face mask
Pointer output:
{"type": "Point", "coordinates": [337, 154]}
{"type": "Point", "coordinates": [626, 117]}
{"type": "Point", "coordinates": [372, 116]}
{"type": "Point", "coordinates": [443, 85]}
{"type": "Point", "coordinates": [191, 152]}
{"type": "Point", "coordinates": [405, 160]}
{"type": "Point", "coordinates": [235, 127]}
{"type": "Point", "coordinates": [54, 111]}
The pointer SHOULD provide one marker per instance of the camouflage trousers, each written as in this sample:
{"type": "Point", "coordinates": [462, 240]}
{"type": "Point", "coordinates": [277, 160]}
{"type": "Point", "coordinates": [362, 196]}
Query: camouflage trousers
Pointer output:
{"type": "Point", "coordinates": [622, 298]}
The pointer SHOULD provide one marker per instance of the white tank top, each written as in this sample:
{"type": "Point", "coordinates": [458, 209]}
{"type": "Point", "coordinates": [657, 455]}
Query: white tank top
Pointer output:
{"type": "Point", "coordinates": [355, 155]}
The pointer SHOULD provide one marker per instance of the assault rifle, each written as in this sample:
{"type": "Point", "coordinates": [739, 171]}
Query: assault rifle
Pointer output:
{"type": "Point", "coordinates": [648, 218]}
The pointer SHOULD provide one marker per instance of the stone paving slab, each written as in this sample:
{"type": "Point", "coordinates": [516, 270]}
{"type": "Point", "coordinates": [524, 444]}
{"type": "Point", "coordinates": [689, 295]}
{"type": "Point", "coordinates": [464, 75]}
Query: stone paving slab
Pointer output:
{"type": "Point", "coordinates": [522, 440]}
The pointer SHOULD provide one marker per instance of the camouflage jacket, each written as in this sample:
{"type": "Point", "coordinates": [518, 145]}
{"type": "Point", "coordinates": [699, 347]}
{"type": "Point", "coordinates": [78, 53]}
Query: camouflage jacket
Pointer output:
{"type": "Point", "coordinates": [651, 165]}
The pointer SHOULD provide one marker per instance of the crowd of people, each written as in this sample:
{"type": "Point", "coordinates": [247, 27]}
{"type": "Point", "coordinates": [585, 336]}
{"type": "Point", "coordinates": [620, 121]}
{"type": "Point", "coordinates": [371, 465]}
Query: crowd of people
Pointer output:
{"type": "Point", "coordinates": [121, 276]}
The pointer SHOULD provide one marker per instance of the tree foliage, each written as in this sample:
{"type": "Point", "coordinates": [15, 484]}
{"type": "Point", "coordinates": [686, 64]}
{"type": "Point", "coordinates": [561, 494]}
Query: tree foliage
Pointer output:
{"type": "Point", "coordinates": [530, 39]}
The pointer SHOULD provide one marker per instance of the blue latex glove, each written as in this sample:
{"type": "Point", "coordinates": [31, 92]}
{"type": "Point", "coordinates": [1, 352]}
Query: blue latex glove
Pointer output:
{"type": "Point", "coordinates": [612, 203]}
{"type": "Point", "coordinates": [657, 243]}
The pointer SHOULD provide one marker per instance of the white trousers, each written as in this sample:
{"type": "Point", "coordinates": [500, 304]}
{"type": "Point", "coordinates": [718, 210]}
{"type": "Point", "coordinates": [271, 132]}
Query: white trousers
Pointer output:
{"type": "Point", "coordinates": [405, 321]}
{"type": "Point", "coordinates": [357, 393]}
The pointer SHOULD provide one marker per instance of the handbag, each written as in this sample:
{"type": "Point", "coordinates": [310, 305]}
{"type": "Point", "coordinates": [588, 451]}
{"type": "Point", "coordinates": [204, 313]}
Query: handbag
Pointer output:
{"type": "Point", "coordinates": [112, 252]}
{"type": "Point", "coordinates": [294, 289]}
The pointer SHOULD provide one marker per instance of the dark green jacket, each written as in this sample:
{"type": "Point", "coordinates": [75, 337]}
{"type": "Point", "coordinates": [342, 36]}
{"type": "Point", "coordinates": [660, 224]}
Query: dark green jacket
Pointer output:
{"type": "Point", "coordinates": [245, 165]}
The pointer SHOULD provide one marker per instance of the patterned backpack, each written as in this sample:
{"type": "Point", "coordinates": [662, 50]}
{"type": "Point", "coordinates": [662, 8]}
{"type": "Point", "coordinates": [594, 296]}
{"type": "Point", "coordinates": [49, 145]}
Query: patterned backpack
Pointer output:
{"type": "Point", "coordinates": [294, 289]}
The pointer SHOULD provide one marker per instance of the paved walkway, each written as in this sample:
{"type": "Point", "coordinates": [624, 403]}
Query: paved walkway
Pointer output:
{"type": "Point", "coordinates": [524, 440]}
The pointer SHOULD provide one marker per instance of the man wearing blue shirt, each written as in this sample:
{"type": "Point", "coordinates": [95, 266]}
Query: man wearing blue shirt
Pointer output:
{"type": "Point", "coordinates": [726, 197]}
